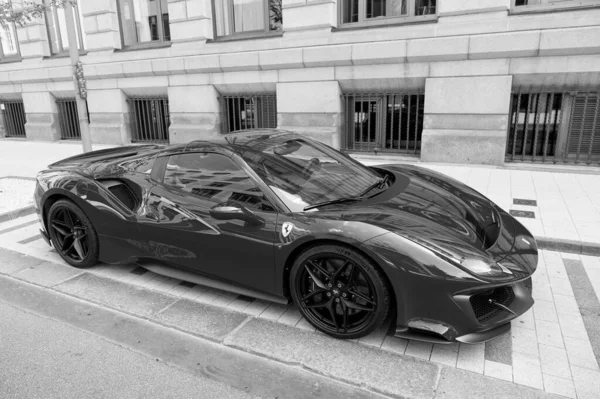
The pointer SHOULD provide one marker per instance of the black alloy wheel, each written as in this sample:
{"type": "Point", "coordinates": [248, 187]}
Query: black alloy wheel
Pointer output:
{"type": "Point", "coordinates": [339, 291]}
{"type": "Point", "coordinates": [72, 234]}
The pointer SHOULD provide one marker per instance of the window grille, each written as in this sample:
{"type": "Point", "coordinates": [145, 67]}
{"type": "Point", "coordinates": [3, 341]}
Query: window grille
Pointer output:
{"type": "Point", "coordinates": [13, 113]}
{"type": "Point", "coordinates": [151, 119]}
{"type": "Point", "coordinates": [553, 126]}
{"type": "Point", "coordinates": [248, 111]}
{"type": "Point", "coordinates": [387, 122]}
{"type": "Point", "coordinates": [68, 119]}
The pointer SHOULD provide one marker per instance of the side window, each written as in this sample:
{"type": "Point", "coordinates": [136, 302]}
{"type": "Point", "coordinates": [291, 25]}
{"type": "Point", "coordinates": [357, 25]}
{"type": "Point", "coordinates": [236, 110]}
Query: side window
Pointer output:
{"type": "Point", "coordinates": [216, 178]}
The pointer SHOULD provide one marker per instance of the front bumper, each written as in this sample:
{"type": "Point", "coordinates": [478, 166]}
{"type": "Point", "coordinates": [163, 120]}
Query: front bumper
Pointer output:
{"type": "Point", "coordinates": [473, 316]}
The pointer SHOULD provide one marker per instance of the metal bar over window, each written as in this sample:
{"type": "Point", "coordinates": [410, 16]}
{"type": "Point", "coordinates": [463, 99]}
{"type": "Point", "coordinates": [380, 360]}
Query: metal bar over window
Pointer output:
{"type": "Point", "coordinates": [248, 111]}
{"type": "Point", "coordinates": [383, 121]}
{"type": "Point", "coordinates": [540, 131]}
{"type": "Point", "coordinates": [151, 119]}
{"type": "Point", "coordinates": [13, 113]}
{"type": "Point", "coordinates": [68, 119]}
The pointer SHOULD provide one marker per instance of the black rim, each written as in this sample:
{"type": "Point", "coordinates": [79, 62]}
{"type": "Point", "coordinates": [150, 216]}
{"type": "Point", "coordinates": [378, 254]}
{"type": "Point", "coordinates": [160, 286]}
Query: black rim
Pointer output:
{"type": "Point", "coordinates": [71, 235]}
{"type": "Point", "coordinates": [336, 294]}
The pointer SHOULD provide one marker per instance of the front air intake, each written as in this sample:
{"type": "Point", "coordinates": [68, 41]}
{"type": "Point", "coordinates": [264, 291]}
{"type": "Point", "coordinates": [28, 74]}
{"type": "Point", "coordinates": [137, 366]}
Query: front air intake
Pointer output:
{"type": "Point", "coordinates": [485, 304]}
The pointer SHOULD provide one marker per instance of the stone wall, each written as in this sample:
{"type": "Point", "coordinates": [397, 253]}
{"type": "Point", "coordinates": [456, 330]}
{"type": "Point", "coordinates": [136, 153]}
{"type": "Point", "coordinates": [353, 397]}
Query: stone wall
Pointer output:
{"type": "Point", "coordinates": [467, 59]}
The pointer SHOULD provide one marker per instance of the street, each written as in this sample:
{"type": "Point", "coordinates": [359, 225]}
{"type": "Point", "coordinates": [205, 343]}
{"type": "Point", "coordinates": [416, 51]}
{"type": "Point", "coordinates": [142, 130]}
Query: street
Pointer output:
{"type": "Point", "coordinates": [46, 358]}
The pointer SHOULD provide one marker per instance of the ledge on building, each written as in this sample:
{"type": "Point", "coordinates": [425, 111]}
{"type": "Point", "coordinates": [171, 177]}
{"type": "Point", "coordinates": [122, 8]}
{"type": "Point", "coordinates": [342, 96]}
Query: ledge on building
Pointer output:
{"type": "Point", "coordinates": [64, 54]}
{"type": "Point", "coordinates": [546, 8]}
{"type": "Point", "coordinates": [388, 22]}
{"type": "Point", "coordinates": [11, 59]}
{"type": "Point", "coordinates": [144, 46]}
{"type": "Point", "coordinates": [246, 36]}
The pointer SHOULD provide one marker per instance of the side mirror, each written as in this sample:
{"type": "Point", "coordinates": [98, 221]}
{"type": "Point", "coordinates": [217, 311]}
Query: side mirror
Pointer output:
{"type": "Point", "coordinates": [234, 211]}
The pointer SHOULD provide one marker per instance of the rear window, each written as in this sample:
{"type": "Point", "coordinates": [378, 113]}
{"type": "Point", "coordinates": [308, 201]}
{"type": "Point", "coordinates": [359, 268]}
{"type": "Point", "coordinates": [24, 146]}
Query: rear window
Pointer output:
{"type": "Point", "coordinates": [140, 165]}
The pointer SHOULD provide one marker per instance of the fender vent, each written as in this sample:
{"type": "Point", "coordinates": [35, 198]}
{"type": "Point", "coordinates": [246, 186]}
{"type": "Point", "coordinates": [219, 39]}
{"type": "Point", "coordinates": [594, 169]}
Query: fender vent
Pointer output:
{"type": "Point", "coordinates": [122, 192]}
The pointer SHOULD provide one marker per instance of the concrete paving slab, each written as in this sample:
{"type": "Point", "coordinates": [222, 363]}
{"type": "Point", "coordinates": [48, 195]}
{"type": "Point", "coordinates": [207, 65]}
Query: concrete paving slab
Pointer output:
{"type": "Point", "coordinates": [382, 372]}
{"type": "Point", "coordinates": [47, 274]}
{"type": "Point", "coordinates": [527, 370]}
{"type": "Point", "coordinates": [13, 262]}
{"type": "Point", "coordinates": [129, 298]}
{"type": "Point", "coordinates": [205, 321]}
{"type": "Point", "coordinates": [587, 382]}
{"type": "Point", "coordinates": [460, 384]}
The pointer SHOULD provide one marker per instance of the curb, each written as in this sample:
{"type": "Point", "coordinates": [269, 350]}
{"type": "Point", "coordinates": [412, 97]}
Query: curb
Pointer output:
{"type": "Point", "coordinates": [572, 246]}
{"type": "Point", "coordinates": [18, 177]}
{"type": "Point", "coordinates": [17, 213]}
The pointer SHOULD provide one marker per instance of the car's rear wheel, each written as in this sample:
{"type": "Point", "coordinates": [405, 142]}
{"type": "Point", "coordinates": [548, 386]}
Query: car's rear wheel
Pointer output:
{"type": "Point", "coordinates": [339, 291]}
{"type": "Point", "coordinates": [72, 234]}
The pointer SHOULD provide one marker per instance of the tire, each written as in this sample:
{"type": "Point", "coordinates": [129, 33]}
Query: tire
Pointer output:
{"type": "Point", "coordinates": [67, 224]}
{"type": "Point", "coordinates": [339, 291]}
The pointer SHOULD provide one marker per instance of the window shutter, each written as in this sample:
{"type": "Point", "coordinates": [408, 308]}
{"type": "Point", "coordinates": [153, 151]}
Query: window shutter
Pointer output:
{"type": "Point", "coordinates": [268, 111]}
{"type": "Point", "coordinates": [585, 125]}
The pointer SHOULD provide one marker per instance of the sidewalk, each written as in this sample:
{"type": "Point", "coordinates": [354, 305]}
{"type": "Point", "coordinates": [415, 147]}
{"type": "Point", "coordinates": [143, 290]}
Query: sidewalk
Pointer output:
{"type": "Point", "coordinates": [559, 205]}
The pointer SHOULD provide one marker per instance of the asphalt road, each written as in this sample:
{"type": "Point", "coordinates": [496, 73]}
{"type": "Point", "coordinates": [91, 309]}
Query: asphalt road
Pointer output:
{"type": "Point", "coordinates": [44, 358]}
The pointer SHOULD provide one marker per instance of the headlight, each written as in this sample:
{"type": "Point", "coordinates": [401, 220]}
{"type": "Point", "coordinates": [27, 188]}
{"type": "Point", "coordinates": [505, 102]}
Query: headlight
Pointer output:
{"type": "Point", "coordinates": [484, 267]}
{"type": "Point", "coordinates": [480, 266]}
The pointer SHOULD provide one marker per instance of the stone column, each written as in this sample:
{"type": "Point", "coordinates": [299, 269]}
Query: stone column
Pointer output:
{"type": "Point", "coordinates": [100, 24]}
{"type": "Point", "coordinates": [195, 113]}
{"type": "Point", "coordinates": [109, 116]}
{"type": "Point", "coordinates": [190, 20]}
{"type": "Point", "coordinates": [311, 108]}
{"type": "Point", "coordinates": [33, 38]}
{"type": "Point", "coordinates": [42, 116]}
{"type": "Point", "coordinates": [309, 14]}
{"type": "Point", "coordinates": [466, 119]}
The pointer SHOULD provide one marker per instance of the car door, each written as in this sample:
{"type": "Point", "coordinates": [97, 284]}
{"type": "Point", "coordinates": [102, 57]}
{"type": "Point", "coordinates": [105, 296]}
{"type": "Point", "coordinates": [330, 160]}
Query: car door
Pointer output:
{"type": "Point", "coordinates": [182, 228]}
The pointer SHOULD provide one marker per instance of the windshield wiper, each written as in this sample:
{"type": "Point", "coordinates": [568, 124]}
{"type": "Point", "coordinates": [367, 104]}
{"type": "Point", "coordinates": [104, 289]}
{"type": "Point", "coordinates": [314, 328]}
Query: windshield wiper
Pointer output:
{"type": "Point", "coordinates": [378, 184]}
{"type": "Point", "coordinates": [333, 202]}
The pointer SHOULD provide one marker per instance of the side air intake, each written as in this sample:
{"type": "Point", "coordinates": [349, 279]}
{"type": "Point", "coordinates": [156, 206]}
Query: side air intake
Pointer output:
{"type": "Point", "coordinates": [122, 192]}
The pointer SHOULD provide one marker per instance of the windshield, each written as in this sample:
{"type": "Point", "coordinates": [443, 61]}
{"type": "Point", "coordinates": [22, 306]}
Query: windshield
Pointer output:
{"type": "Point", "coordinates": [302, 173]}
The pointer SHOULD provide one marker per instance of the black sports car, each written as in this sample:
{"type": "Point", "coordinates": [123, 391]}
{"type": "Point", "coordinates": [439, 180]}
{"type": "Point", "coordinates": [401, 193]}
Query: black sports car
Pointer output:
{"type": "Point", "coordinates": [277, 215]}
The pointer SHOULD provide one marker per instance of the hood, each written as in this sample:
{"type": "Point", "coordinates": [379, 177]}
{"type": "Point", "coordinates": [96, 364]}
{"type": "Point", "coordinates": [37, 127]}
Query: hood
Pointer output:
{"type": "Point", "coordinates": [433, 207]}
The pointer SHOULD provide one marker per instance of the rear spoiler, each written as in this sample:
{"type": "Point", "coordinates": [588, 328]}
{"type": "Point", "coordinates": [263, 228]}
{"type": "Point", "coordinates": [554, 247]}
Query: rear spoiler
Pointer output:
{"type": "Point", "coordinates": [103, 155]}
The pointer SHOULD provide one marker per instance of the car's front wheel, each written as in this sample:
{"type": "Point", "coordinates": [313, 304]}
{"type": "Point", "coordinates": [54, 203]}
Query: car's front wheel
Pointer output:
{"type": "Point", "coordinates": [72, 234]}
{"type": "Point", "coordinates": [339, 291]}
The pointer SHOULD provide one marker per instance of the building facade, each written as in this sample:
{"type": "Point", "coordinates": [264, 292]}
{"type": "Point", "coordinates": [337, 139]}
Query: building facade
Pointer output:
{"type": "Point", "coordinates": [469, 81]}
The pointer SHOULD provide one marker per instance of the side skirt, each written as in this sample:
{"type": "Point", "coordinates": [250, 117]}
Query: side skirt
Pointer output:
{"type": "Point", "coordinates": [202, 280]}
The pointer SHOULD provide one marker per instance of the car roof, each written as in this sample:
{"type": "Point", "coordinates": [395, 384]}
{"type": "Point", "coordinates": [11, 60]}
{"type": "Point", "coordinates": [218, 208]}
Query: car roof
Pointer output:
{"type": "Point", "coordinates": [252, 139]}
